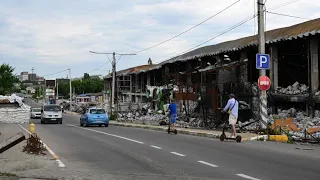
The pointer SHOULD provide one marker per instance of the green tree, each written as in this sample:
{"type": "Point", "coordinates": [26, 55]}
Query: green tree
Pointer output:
{"type": "Point", "coordinates": [86, 85]}
{"type": "Point", "coordinates": [86, 76]}
{"type": "Point", "coordinates": [7, 79]}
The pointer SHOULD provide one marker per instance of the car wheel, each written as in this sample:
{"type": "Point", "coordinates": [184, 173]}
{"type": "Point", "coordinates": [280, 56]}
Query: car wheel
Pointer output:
{"type": "Point", "coordinates": [106, 125]}
{"type": "Point", "coordinates": [85, 124]}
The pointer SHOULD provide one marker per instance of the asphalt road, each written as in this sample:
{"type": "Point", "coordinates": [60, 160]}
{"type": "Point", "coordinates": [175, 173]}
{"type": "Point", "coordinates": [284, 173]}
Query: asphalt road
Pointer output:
{"type": "Point", "coordinates": [128, 153]}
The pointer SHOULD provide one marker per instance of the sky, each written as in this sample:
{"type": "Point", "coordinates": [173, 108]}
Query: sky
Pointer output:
{"type": "Point", "coordinates": [52, 36]}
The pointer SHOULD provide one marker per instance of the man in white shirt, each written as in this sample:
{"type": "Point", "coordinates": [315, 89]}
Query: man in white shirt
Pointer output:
{"type": "Point", "coordinates": [232, 108]}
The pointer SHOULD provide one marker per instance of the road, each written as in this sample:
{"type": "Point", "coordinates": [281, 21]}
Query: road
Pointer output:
{"type": "Point", "coordinates": [129, 153]}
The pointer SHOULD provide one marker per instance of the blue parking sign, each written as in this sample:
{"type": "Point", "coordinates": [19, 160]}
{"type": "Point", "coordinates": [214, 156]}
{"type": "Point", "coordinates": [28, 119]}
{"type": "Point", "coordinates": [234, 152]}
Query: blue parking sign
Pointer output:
{"type": "Point", "coordinates": [262, 61]}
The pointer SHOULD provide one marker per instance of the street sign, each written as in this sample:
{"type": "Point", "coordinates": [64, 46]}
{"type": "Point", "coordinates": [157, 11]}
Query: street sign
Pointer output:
{"type": "Point", "coordinates": [264, 83]}
{"type": "Point", "coordinates": [262, 61]}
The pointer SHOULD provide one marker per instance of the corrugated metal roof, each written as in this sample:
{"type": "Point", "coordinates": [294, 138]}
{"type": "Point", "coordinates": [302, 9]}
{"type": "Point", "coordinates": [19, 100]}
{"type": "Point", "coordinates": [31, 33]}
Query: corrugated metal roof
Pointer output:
{"type": "Point", "coordinates": [282, 34]}
{"type": "Point", "coordinates": [132, 70]}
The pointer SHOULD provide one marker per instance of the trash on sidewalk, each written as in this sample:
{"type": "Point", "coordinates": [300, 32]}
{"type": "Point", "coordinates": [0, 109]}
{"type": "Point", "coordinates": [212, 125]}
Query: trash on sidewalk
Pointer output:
{"type": "Point", "coordinates": [12, 141]}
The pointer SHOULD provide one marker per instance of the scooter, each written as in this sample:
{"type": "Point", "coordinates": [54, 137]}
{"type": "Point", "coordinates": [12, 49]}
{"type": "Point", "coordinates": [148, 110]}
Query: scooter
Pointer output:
{"type": "Point", "coordinates": [223, 136]}
{"type": "Point", "coordinates": [175, 131]}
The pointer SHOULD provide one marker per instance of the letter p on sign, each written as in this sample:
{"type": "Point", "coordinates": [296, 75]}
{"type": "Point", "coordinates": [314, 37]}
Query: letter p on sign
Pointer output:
{"type": "Point", "coordinates": [262, 61]}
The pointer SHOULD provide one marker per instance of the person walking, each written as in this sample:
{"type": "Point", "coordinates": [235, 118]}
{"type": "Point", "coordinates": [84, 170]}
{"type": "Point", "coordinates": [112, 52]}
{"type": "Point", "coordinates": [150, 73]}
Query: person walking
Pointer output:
{"type": "Point", "coordinates": [232, 108]}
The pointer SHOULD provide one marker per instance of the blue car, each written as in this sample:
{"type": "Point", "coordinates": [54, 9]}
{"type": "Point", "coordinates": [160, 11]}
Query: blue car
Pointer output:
{"type": "Point", "coordinates": [94, 116]}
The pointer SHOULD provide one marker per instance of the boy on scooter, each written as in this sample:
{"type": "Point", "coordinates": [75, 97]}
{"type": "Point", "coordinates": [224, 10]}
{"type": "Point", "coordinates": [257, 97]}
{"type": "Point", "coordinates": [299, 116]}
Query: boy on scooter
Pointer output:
{"type": "Point", "coordinates": [173, 114]}
{"type": "Point", "coordinates": [232, 108]}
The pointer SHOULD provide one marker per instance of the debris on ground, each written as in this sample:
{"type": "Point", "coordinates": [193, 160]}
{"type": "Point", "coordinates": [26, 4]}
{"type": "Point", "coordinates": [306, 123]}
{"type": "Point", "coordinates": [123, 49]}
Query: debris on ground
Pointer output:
{"type": "Point", "coordinates": [34, 145]}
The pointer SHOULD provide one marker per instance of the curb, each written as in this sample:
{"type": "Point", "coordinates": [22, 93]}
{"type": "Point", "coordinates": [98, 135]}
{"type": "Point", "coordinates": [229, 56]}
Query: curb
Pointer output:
{"type": "Point", "coordinates": [181, 131]}
{"type": "Point", "coordinates": [60, 163]}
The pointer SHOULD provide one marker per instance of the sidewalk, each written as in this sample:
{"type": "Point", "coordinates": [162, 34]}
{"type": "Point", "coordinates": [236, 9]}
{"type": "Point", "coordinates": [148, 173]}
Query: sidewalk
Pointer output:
{"type": "Point", "coordinates": [187, 131]}
{"type": "Point", "coordinates": [18, 164]}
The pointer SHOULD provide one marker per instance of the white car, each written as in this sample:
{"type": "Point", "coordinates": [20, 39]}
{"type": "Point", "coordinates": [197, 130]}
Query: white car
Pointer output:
{"type": "Point", "coordinates": [51, 113]}
{"type": "Point", "coordinates": [35, 113]}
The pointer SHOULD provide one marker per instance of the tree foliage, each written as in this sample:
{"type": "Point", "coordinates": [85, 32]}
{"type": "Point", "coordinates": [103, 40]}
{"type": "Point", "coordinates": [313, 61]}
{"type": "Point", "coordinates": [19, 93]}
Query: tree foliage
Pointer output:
{"type": "Point", "coordinates": [86, 85]}
{"type": "Point", "coordinates": [7, 79]}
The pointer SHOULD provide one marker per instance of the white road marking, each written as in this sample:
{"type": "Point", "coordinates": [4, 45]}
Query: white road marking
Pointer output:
{"type": "Point", "coordinates": [208, 164]}
{"type": "Point", "coordinates": [113, 135]}
{"type": "Point", "coordinates": [247, 177]}
{"type": "Point", "coordinates": [156, 147]}
{"type": "Point", "coordinates": [178, 154]}
{"type": "Point", "coordinates": [60, 163]}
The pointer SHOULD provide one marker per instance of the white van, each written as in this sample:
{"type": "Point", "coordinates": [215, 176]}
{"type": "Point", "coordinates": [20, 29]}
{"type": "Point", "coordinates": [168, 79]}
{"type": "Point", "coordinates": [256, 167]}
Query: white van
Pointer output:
{"type": "Point", "coordinates": [51, 113]}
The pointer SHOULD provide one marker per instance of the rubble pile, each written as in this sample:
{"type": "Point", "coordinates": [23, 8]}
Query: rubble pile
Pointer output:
{"type": "Point", "coordinates": [302, 121]}
{"type": "Point", "coordinates": [294, 89]}
{"type": "Point", "coordinates": [11, 114]}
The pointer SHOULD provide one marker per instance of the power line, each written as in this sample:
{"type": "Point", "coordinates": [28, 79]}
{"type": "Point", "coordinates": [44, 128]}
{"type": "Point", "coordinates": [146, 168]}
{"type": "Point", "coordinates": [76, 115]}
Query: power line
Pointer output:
{"type": "Point", "coordinates": [189, 28]}
{"type": "Point", "coordinates": [97, 69]}
{"type": "Point", "coordinates": [279, 14]}
{"type": "Point", "coordinates": [284, 4]}
{"type": "Point", "coordinates": [56, 73]}
{"type": "Point", "coordinates": [224, 32]}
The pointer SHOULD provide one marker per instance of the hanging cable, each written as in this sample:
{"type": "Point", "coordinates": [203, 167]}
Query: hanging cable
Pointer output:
{"type": "Point", "coordinates": [56, 73]}
{"type": "Point", "coordinates": [188, 29]}
{"type": "Point", "coordinates": [282, 5]}
{"type": "Point", "coordinates": [224, 32]}
{"type": "Point", "coordinates": [286, 15]}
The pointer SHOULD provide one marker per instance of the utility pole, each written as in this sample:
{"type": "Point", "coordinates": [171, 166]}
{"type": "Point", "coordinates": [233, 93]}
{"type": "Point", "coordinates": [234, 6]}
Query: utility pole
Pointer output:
{"type": "Point", "coordinates": [262, 41]}
{"type": "Point", "coordinates": [57, 97]}
{"type": "Point", "coordinates": [32, 70]}
{"type": "Point", "coordinates": [113, 82]}
{"type": "Point", "coordinates": [114, 64]}
{"type": "Point", "coordinates": [70, 87]}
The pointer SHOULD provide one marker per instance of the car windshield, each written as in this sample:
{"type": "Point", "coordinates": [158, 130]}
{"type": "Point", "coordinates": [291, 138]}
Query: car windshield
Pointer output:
{"type": "Point", "coordinates": [52, 108]}
{"type": "Point", "coordinates": [36, 110]}
{"type": "Point", "coordinates": [97, 111]}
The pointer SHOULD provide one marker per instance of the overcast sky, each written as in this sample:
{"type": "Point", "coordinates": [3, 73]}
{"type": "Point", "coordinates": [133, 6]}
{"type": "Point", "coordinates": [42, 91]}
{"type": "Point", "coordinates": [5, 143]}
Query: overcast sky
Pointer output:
{"type": "Point", "coordinates": [54, 35]}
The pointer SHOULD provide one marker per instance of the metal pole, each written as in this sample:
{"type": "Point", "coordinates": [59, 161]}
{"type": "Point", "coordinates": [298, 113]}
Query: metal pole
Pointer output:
{"type": "Point", "coordinates": [70, 87]}
{"type": "Point", "coordinates": [57, 97]}
{"type": "Point", "coordinates": [261, 34]}
{"type": "Point", "coordinates": [113, 82]}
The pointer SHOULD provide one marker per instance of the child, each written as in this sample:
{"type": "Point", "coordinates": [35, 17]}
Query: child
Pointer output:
{"type": "Point", "coordinates": [173, 114]}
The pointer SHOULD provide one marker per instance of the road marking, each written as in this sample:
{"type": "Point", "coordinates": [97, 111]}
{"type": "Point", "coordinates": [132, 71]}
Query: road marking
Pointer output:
{"type": "Point", "coordinates": [156, 147]}
{"type": "Point", "coordinates": [60, 163]}
{"type": "Point", "coordinates": [178, 154]}
{"type": "Point", "coordinates": [208, 164]}
{"type": "Point", "coordinates": [247, 177]}
{"type": "Point", "coordinates": [132, 140]}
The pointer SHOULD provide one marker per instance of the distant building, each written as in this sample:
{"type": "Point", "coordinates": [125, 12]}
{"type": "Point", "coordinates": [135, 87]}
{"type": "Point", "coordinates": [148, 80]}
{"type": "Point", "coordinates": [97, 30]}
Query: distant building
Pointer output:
{"type": "Point", "coordinates": [24, 76]}
{"type": "Point", "coordinates": [40, 79]}
{"type": "Point", "coordinates": [32, 77]}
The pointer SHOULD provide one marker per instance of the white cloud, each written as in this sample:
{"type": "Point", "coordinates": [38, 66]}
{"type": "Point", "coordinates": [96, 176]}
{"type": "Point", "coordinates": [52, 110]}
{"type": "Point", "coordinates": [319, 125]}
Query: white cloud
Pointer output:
{"type": "Point", "coordinates": [59, 34]}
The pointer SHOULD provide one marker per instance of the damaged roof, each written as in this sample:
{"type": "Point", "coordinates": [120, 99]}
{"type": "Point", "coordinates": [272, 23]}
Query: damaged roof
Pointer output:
{"type": "Point", "coordinates": [132, 70]}
{"type": "Point", "coordinates": [301, 30]}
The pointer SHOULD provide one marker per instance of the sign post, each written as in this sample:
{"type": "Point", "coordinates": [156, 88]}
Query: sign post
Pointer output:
{"type": "Point", "coordinates": [264, 83]}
